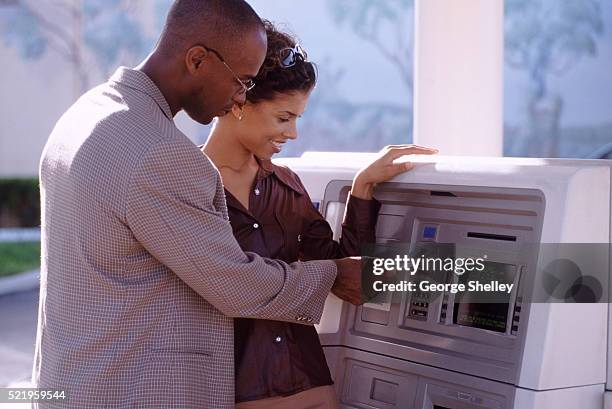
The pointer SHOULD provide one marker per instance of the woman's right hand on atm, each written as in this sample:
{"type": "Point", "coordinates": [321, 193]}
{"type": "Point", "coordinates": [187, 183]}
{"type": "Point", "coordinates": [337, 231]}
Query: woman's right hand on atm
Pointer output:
{"type": "Point", "coordinates": [383, 168]}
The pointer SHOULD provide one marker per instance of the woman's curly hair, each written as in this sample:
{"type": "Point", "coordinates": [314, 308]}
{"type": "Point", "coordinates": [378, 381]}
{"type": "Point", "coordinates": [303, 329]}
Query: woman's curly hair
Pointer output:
{"type": "Point", "coordinates": [273, 78]}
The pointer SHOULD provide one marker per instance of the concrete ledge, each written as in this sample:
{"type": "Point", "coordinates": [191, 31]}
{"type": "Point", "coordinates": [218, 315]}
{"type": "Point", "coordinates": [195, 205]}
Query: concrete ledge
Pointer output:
{"type": "Point", "coordinates": [19, 234]}
{"type": "Point", "coordinates": [20, 282]}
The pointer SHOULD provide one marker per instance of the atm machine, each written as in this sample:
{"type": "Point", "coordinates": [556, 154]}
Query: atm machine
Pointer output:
{"type": "Point", "coordinates": [424, 351]}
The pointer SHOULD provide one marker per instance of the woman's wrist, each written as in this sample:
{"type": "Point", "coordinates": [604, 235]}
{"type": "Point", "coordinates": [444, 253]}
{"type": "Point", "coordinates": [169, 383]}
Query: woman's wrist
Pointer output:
{"type": "Point", "coordinates": [362, 189]}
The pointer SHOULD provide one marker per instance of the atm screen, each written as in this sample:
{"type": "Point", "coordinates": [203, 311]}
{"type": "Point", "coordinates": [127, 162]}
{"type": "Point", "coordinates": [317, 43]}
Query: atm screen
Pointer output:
{"type": "Point", "coordinates": [485, 309]}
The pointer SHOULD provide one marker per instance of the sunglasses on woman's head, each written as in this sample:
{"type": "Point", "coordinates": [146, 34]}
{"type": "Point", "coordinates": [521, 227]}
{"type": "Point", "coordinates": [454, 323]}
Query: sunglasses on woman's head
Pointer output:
{"type": "Point", "coordinates": [289, 56]}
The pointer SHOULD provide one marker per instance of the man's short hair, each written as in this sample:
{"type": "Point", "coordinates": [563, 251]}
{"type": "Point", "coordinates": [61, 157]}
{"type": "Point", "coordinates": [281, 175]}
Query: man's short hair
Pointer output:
{"type": "Point", "coordinates": [211, 22]}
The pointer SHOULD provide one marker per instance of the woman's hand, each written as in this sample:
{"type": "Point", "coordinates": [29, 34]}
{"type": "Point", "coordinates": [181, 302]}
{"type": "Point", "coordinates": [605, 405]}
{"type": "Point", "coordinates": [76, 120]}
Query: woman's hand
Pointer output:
{"type": "Point", "coordinates": [383, 168]}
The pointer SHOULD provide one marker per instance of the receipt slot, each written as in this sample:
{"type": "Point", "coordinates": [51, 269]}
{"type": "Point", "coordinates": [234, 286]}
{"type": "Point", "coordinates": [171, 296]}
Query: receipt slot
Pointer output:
{"type": "Point", "coordinates": [442, 350]}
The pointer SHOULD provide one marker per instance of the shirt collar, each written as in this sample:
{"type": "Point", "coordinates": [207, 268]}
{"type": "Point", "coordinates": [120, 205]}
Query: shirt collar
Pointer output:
{"type": "Point", "coordinates": [266, 169]}
{"type": "Point", "coordinates": [140, 81]}
{"type": "Point", "coordinates": [282, 173]}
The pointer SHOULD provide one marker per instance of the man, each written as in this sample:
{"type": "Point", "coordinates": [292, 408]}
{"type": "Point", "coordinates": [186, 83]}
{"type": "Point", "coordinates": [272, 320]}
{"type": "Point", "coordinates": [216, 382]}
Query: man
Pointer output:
{"type": "Point", "coordinates": [140, 272]}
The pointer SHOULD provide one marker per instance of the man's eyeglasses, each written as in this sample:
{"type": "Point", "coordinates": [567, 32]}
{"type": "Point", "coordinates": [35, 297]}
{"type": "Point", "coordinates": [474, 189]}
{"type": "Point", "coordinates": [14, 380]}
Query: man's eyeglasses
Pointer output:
{"type": "Point", "coordinates": [246, 85]}
{"type": "Point", "coordinates": [289, 56]}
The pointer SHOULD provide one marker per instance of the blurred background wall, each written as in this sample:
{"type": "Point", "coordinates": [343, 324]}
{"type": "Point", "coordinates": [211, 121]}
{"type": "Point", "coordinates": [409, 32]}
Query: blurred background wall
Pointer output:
{"type": "Point", "coordinates": [557, 82]}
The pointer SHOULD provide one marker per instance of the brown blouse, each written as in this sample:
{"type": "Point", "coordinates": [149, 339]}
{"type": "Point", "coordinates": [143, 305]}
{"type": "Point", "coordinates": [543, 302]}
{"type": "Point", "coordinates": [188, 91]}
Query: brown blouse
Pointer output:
{"type": "Point", "coordinates": [274, 358]}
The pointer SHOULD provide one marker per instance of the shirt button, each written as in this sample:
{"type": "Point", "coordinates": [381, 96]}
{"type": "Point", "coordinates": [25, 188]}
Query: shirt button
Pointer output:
{"type": "Point", "coordinates": [278, 340]}
{"type": "Point", "coordinates": [255, 225]}
{"type": "Point", "coordinates": [256, 192]}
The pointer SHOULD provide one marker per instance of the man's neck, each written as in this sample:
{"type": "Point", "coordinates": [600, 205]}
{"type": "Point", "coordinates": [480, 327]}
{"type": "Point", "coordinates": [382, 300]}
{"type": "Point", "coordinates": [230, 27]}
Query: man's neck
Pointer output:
{"type": "Point", "coordinates": [162, 76]}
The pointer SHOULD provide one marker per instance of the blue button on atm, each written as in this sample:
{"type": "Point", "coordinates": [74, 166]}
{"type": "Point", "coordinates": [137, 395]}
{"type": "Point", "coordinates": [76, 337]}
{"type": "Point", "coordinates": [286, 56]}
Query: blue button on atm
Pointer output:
{"type": "Point", "coordinates": [429, 232]}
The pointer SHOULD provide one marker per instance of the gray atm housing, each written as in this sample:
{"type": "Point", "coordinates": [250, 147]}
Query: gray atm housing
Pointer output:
{"type": "Point", "coordinates": [410, 353]}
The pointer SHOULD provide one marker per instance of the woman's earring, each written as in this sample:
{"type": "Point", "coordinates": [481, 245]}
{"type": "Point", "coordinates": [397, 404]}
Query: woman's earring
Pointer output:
{"type": "Point", "coordinates": [238, 112]}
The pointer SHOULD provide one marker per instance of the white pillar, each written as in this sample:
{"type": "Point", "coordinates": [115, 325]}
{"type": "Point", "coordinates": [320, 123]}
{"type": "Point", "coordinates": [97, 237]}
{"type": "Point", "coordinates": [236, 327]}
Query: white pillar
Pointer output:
{"type": "Point", "coordinates": [458, 93]}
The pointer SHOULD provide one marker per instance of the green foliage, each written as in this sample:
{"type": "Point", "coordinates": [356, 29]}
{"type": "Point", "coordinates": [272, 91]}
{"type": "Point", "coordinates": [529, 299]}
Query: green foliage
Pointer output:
{"type": "Point", "coordinates": [19, 203]}
{"type": "Point", "coordinates": [19, 257]}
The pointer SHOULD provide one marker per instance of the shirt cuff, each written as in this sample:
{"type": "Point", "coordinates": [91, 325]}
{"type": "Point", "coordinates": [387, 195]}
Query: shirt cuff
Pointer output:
{"type": "Point", "coordinates": [326, 270]}
{"type": "Point", "coordinates": [361, 214]}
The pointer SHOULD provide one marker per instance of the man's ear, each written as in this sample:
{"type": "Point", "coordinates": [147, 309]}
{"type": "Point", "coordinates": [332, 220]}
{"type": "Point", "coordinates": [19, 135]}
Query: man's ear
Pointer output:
{"type": "Point", "coordinates": [194, 58]}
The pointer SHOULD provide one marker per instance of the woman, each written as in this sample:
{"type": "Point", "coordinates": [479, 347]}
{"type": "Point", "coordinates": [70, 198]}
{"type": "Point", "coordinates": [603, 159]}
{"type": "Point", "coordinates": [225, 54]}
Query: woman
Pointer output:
{"type": "Point", "coordinates": [280, 364]}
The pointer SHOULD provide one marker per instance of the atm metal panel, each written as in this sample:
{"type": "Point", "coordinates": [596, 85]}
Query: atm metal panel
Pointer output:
{"type": "Point", "coordinates": [373, 381]}
{"type": "Point", "coordinates": [385, 329]}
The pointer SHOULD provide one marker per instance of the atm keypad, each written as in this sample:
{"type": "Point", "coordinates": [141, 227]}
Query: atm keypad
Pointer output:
{"type": "Point", "coordinates": [516, 316]}
{"type": "Point", "coordinates": [443, 309]}
{"type": "Point", "coordinates": [419, 306]}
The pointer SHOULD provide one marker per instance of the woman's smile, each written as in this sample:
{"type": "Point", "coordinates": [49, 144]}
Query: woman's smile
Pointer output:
{"type": "Point", "coordinates": [277, 145]}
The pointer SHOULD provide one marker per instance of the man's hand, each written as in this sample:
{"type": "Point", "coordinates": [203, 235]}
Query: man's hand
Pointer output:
{"type": "Point", "coordinates": [348, 280]}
